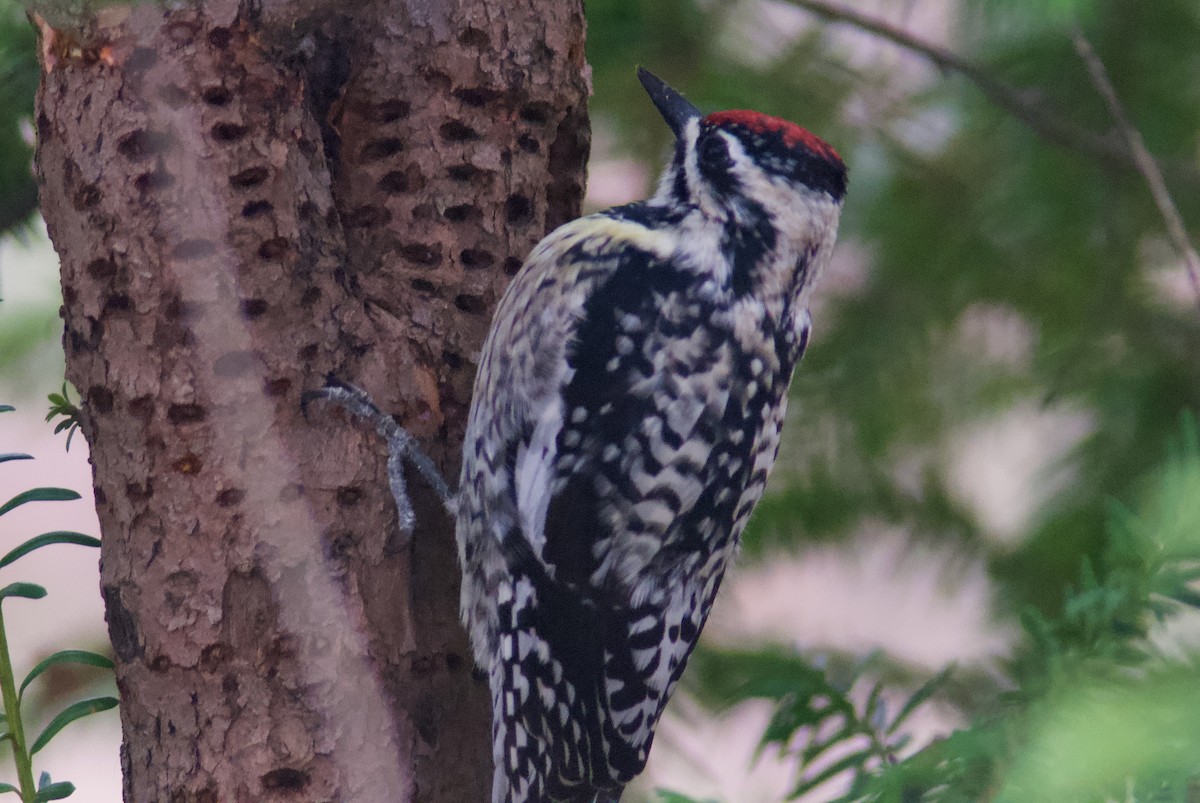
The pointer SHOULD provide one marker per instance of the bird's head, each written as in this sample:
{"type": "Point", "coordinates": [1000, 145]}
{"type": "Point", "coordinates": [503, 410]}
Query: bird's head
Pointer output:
{"type": "Point", "coordinates": [733, 163]}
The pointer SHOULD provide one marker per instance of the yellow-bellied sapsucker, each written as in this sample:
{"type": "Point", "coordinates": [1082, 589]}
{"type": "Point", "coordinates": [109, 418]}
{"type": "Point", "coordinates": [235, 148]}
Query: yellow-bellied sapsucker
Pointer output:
{"type": "Point", "coordinates": [626, 414]}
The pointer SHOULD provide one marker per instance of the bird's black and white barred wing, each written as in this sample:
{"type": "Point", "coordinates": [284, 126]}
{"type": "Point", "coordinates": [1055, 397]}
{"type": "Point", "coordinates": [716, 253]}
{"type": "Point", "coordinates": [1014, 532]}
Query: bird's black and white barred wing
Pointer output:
{"type": "Point", "coordinates": [621, 465]}
{"type": "Point", "coordinates": [510, 468]}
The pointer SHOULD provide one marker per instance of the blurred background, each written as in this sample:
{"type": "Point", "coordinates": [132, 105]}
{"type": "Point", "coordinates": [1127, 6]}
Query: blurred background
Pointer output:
{"type": "Point", "coordinates": [973, 575]}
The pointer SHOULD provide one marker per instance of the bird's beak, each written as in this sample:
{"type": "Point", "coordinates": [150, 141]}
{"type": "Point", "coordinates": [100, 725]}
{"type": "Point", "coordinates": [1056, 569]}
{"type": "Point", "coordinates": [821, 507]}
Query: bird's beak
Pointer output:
{"type": "Point", "coordinates": [674, 107]}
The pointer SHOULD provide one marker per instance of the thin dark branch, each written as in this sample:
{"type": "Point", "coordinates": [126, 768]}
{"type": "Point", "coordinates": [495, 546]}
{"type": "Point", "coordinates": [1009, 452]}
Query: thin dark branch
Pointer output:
{"type": "Point", "coordinates": [1144, 161]}
{"type": "Point", "coordinates": [1043, 121]}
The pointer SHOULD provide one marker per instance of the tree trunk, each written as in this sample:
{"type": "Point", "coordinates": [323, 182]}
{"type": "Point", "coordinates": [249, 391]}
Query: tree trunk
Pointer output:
{"type": "Point", "coordinates": [245, 197]}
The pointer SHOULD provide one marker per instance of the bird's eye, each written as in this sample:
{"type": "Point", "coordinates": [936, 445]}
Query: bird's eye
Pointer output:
{"type": "Point", "coordinates": [714, 155]}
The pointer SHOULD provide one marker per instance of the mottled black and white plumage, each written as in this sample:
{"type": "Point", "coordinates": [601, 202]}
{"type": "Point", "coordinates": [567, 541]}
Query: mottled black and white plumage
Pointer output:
{"type": "Point", "coordinates": [626, 414]}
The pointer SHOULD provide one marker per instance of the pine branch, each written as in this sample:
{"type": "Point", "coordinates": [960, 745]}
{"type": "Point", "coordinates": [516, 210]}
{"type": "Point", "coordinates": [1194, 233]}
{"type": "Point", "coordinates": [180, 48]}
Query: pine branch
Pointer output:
{"type": "Point", "coordinates": [1145, 163]}
{"type": "Point", "coordinates": [1043, 121]}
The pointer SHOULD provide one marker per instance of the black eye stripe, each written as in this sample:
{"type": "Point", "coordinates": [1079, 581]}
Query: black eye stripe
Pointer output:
{"type": "Point", "coordinates": [713, 153]}
{"type": "Point", "coordinates": [716, 164]}
{"type": "Point", "coordinates": [772, 154]}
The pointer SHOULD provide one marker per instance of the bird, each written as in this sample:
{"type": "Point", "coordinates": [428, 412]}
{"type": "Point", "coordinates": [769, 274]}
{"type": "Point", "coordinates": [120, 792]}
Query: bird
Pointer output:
{"type": "Point", "coordinates": [627, 411]}
{"type": "Point", "coordinates": [626, 414]}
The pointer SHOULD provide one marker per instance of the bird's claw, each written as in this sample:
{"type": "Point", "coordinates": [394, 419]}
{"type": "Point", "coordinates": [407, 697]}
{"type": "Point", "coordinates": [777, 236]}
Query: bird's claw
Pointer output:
{"type": "Point", "coordinates": [401, 446]}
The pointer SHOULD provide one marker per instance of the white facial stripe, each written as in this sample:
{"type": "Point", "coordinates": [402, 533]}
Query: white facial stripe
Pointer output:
{"type": "Point", "coordinates": [697, 186]}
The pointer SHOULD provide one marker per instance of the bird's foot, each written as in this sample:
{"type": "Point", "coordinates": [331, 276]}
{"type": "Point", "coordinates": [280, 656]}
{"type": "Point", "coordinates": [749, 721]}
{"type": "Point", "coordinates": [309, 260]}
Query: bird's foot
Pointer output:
{"type": "Point", "coordinates": [402, 447]}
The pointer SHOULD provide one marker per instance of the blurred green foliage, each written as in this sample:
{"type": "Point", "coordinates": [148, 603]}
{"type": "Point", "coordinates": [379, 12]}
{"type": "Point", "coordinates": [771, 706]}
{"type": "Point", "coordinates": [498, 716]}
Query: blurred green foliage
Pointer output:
{"type": "Point", "coordinates": [958, 207]}
{"type": "Point", "coordinates": [957, 210]}
{"type": "Point", "coordinates": [18, 81]}
{"type": "Point", "coordinates": [1096, 708]}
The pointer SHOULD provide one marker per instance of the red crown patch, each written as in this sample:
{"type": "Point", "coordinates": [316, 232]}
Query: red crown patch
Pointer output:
{"type": "Point", "coordinates": [793, 135]}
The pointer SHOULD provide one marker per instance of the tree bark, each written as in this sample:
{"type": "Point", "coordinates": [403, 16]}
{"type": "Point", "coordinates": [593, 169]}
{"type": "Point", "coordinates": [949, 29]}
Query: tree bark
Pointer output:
{"type": "Point", "coordinates": [246, 196]}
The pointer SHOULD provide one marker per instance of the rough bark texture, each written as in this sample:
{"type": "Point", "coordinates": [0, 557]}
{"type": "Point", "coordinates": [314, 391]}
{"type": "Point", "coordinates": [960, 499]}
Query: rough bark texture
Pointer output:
{"type": "Point", "coordinates": [246, 197]}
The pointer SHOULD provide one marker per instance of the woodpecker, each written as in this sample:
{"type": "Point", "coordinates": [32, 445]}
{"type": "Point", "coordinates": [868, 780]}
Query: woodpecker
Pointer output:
{"type": "Point", "coordinates": [627, 411]}
{"type": "Point", "coordinates": [626, 414]}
